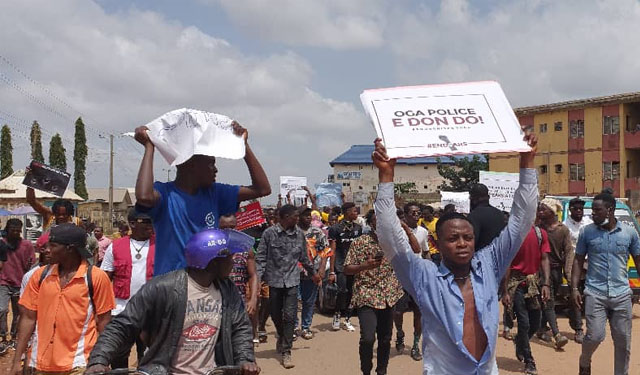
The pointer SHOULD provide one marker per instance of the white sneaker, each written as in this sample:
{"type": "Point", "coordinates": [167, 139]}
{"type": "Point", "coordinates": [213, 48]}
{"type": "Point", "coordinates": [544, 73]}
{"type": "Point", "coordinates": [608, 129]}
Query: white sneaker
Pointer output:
{"type": "Point", "coordinates": [348, 326]}
{"type": "Point", "coordinates": [335, 325]}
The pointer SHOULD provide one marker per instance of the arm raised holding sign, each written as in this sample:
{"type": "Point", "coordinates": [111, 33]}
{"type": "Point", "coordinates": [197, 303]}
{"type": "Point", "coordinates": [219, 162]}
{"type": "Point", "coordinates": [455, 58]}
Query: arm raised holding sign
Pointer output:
{"type": "Point", "coordinates": [445, 293]}
{"type": "Point", "coordinates": [194, 200]}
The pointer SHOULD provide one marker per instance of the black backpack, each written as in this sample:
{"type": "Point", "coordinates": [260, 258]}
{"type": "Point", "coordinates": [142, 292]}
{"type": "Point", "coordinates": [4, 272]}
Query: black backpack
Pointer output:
{"type": "Point", "coordinates": [45, 273]}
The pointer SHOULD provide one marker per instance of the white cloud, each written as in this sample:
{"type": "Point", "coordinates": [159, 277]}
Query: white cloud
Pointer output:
{"type": "Point", "coordinates": [336, 24]}
{"type": "Point", "coordinates": [541, 51]}
{"type": "Point", "coordinates": [125, 69]}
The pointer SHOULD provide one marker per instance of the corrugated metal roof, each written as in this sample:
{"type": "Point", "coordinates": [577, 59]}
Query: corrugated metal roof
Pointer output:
{"type": "Point", "coordinates": [120, 195]}
{"type": "Point", "coordinates": [361, 154]}
{"type": "Point", "coordinates": [580, 103]}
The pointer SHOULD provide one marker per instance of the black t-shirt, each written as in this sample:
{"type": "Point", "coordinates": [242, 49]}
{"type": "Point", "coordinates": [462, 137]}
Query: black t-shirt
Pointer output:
{"type": "Point", "coordinates": [488, 222]}
{"type": "Point", "coordinates": [3, 251]}
{"type": "Point", "coordinates": [343, 234]}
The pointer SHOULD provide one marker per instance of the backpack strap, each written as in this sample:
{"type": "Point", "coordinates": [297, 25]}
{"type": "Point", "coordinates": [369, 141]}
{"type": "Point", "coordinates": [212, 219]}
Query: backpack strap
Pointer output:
{"type": "Point", "coordinates": [44, 274]}
{"type": "Point", "coordinates": [539, 235]}
{"type": "Point", "coordinates": [90, 286]}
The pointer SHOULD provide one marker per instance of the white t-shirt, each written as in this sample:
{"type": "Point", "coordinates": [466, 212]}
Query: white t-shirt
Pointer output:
{"type": "Point", "coordinates": [575, 226]}
{"type": "Point", "coordinates": [195, 353]}
{"type": "Point", "coordinates": [27, 277]}
{"type": "Point", "coordinates": [422, 235]}
{"type": "Point", "coordinates": [138, 270]}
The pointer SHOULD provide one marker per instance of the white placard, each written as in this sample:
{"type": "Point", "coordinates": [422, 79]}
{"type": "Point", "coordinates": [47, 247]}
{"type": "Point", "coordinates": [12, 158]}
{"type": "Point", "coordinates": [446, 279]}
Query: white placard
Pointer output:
{"type": "Point", "coordinates": [462, 118]}
{"type": "Point", "coordinates": [180, 134]}
{"type": "Point", "coordinates": [459, 199]}
{"type": "Point", "coordinates": [289, 183]}
{"type": "Point", "coordinates": [501, 187]}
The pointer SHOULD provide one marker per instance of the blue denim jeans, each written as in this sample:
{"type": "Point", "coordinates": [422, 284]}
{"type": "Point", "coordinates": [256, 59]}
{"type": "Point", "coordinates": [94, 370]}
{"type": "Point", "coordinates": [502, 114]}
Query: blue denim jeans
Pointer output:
{"type": "Point", "coordinates": [308, 294]}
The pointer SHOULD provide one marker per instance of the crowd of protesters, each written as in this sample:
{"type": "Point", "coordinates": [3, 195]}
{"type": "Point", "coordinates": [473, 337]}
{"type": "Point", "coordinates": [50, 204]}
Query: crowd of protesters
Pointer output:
{"type": "Point", "coordinates": [180, 285]}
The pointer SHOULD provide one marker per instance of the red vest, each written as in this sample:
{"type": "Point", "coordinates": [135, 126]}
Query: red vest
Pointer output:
{"type": "Point", "coordinates": [123, 265]}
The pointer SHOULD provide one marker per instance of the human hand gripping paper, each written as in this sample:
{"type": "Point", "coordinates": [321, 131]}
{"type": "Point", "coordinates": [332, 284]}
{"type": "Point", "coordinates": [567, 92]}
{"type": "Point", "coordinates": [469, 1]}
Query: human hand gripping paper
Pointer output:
{"type": "Point", "coordinates": [182, 133]}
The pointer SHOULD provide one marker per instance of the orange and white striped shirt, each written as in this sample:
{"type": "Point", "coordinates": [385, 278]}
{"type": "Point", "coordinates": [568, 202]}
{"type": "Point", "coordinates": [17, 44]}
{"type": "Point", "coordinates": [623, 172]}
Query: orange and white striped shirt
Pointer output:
{"type": "Point", "coordinates": [66, 328]}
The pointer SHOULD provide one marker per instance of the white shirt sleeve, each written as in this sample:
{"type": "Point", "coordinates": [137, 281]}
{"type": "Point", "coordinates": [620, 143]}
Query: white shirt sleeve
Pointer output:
{"type": "Point", "coordinates": [107, 261]}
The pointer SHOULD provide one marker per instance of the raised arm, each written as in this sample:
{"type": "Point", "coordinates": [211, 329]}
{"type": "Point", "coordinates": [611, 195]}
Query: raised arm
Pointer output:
{"type": "Point", "coordinates": [39, 207]}
{"type": "Point", "coordinates": [260, 186]}
{"type": "Point", "coordinates": [523, 213]}
{"type": "Point", "coordinates": [312, 197]}
{"type": "Point", "coordinates": [146, 196]}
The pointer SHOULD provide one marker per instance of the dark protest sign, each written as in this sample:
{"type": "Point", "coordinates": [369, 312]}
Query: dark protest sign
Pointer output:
{"type": "Point", "coordinates": [249, 216]}
{"type": "Point", "coordinates": [45, 178]}
{"type": "Point", "coordinates": [464, 118]}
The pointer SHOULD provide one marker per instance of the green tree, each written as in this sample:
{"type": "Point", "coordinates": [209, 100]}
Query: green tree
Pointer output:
{"type": "Point", "coordinates": [6, 152]}
{"type": "Point", "coordinates": [36, 142]}
{"type": "Point", "coordinates": [57, 153]}
{"type": "Point", "coordinates": [80, 160]}
{"type": "Point", "coordinates": [464, 172]}
{"type": "Point", "coordinates": [405, 188]}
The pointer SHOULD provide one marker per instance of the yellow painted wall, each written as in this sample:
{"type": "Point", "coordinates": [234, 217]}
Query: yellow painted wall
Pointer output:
{"type": "Point", "coordinates": [593, 149]}
{"type": "Point", "coordinates": [552, 150]}
{"type": "Point", "coordinates": [507, 162]}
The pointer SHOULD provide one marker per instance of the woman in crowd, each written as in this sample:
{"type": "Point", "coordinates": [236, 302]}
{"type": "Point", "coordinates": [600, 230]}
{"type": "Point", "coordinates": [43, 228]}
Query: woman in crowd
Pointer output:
{"type": "Point", "coordinates": [375, 291]}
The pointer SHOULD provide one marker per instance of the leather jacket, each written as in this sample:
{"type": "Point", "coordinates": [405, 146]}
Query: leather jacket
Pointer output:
{"type": "Point", "coordinates": [158, 310]}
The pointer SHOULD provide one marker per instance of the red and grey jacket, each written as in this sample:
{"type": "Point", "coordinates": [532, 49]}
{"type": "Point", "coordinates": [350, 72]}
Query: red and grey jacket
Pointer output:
{"type": "Point", "coordinates": [123, 265]}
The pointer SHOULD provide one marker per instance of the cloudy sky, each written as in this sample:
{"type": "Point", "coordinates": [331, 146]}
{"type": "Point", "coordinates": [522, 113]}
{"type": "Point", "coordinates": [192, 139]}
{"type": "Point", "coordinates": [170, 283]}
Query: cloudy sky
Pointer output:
{"type": "Point", "coordinates": [291, 71]}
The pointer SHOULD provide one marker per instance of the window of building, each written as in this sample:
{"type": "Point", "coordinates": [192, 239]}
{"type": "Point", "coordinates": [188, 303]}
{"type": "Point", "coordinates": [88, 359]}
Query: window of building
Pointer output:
{"type": "Point", "coordinates": [557, 126]}
{"type": "Point", "coordinates": [611, 170]}
{"type": "Point", "coordinates": [346, 184]}
{"type": "Point", "coordinates": [576, 128]}
{"type": "Point", "coordinates": [425, 187]}
{"type": "Point", "coordinates": [543, 169]}
{"type": "Point", "coordinates": [576, 172]}
{"type": "Point", "coordinates": [426, 167]}
{"type": "Point", "coordinates": [359, 187]}
{"type": "Point", "coordinates": [543, 128]}
{"type": "Point", "coordinates": [374, 187]}
{"type": "Point", "coordinates": [558, 168]}
{"type": "Point", "coordinates": [611, 125]}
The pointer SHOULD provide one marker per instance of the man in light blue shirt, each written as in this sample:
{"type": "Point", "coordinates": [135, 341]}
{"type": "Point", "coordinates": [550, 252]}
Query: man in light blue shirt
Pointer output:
{"type": "Point", "coordinates": [607, 294]}
{"type": "Point", "coordinates": [459, 298]}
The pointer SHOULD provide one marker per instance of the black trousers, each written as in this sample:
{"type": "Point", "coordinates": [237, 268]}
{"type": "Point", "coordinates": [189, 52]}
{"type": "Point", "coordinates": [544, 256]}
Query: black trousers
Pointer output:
{"type": "Point", "coordinates": [375, 322]}
{"type": "Point", "coordinates": [345, 289]}
{"type": "Point", "coordinates": [528, 323]}
{"type": "Point", "coordinates": [121, 360]}
{"type": "Point", "coordinates": [283, 306]}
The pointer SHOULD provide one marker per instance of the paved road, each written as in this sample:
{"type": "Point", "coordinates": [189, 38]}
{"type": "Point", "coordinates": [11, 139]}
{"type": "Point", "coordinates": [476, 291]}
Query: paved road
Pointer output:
{"type": "Point", "coordinates": [336, 353]}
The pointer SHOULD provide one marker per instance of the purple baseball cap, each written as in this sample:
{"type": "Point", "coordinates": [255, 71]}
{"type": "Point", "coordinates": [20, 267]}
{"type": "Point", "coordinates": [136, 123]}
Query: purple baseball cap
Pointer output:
{"type": "Point", "coordinates": [208, 244]}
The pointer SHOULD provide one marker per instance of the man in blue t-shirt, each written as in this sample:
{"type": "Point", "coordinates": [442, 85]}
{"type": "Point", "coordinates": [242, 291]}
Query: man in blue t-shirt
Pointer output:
{"type": "Point", "coordinates": [193, 201]}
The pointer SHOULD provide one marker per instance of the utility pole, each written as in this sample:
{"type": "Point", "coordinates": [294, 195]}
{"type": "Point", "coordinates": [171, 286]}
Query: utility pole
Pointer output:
{"type": "Point", "coordinates": [111, 182]}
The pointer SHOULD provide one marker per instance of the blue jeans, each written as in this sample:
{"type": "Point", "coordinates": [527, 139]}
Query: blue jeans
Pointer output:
{"type": "Point", "coordinates": [309, 294]}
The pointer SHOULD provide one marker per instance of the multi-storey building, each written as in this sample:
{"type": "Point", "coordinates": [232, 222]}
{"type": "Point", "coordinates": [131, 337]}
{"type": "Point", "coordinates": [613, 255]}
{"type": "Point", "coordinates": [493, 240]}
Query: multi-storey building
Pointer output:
{"type": "Point", "coordinates": [584, 145]}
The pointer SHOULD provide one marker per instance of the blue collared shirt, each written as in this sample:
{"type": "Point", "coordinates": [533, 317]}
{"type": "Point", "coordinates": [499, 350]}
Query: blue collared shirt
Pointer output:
{"type": "Point", "coordinates": [439, 297]}
{"type": "Point", "coordinates": [608, 255]}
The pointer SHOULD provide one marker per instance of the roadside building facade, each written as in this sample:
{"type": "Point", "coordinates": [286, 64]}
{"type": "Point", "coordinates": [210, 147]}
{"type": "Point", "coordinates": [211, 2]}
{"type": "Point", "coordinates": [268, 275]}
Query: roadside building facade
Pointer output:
{"type": "Point", "coordinates": [584, 146]}
{"type": "Point", "coordinates": [359, 177]}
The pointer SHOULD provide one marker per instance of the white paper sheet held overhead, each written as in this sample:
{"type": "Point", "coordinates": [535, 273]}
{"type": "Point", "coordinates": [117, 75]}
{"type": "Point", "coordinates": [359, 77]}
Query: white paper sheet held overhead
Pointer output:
{"type": "Point", "coordinates": [180, 134]}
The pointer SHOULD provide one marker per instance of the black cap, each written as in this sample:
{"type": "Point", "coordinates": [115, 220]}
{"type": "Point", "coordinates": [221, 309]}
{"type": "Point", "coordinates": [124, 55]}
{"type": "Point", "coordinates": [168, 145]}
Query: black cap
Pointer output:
{"type": "Point", "coordinates": [70, 234]}
{"type": "Point", "coordinates": [576, 201]}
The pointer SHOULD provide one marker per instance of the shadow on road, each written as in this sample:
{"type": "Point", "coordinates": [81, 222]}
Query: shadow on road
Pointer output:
{"type": "Point", "coordinates": [509, 364]}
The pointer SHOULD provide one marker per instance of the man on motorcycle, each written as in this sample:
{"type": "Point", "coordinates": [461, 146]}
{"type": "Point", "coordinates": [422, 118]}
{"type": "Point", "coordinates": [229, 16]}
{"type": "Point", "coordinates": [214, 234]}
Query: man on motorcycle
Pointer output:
{"type": "Point", "coordinates": [194, 319]}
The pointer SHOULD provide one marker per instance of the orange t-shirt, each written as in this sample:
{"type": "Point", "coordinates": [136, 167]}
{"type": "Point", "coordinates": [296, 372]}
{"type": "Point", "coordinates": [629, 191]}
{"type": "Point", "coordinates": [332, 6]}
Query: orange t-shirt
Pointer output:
{"type": "Point", "coordinates": [66, 326]}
